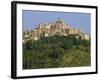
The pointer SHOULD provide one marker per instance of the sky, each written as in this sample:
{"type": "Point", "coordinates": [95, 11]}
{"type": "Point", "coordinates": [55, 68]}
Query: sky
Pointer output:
{"type": "Point", "coordinates": [31, 19]}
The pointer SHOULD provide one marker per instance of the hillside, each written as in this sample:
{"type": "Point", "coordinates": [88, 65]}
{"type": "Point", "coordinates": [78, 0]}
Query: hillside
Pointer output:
{"type": "Point", "coordinates": [56, 51]}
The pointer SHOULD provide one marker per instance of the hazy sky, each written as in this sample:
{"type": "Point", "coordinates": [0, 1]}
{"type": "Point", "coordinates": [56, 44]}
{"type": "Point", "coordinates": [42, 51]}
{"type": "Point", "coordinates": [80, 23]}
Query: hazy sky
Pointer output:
{"type": "Point", "coordinates": [32, 19]}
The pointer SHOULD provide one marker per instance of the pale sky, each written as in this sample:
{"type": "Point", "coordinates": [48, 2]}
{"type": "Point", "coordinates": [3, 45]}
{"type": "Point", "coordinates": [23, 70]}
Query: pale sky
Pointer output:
{"type": "Point", "coordinates": [31, 19]}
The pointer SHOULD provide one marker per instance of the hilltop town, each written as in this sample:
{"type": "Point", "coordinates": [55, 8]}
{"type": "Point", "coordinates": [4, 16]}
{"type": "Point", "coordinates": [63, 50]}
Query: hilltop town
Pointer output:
{"type": "Point", "coordinates": [50, 29]}
{"type": "Point", "coordinates": [55, 45]}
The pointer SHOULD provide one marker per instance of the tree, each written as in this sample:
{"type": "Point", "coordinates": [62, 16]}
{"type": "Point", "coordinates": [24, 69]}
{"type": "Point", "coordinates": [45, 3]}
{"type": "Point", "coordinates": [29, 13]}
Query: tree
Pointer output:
{"type": "Point", "coordinates": [28, 44]}
{"type": "Point", "coordinates": [56, 51]}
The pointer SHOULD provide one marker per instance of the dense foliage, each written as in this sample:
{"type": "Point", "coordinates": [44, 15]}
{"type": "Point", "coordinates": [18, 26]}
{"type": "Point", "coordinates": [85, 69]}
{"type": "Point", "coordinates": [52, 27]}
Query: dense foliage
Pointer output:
{"type": "Point", "coordinates": [56, 51]}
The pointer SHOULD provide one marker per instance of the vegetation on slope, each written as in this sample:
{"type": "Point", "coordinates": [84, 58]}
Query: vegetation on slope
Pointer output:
{"type": "Point", "coordinates": [56, 51]}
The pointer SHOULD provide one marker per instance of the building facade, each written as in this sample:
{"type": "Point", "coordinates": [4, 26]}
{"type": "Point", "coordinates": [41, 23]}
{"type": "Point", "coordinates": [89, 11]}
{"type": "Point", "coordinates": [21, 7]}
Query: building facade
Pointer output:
{"type": "Point", "coordinates": [59, 28]}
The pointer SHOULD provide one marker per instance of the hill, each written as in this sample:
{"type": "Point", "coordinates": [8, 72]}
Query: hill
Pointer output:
{"type": "Point", "coordinates": [56, 51]}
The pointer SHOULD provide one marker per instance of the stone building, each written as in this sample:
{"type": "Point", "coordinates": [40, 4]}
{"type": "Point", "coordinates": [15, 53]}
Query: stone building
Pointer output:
{"type": "Point", "coordinates": [59, 28]}
{"type": "Point", "coordinates": [74, 31]}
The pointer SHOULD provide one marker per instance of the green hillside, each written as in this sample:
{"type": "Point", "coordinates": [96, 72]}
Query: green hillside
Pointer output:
{"type": "Point", "coordinates": [56, 51]}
